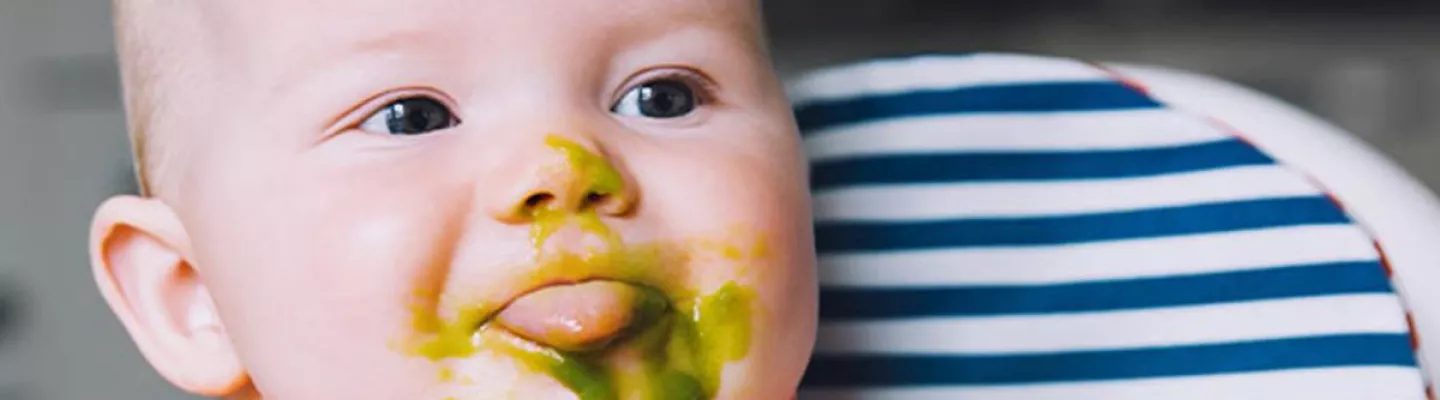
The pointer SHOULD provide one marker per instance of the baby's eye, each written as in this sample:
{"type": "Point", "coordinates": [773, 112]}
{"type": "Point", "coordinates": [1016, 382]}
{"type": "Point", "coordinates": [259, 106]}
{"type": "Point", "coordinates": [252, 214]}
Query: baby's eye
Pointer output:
{"type": "Point", "coordinates": [660, 98]}
{"type": "Point", "coordinates": [411, 116]}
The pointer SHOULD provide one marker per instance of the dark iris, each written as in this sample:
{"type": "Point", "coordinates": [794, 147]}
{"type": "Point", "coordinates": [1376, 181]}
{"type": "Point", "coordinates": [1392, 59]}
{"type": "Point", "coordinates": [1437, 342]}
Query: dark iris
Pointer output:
{"type": "Point", "coordinates": [417, 115]}
{"type": "Point", "coordinates": [665, 99]}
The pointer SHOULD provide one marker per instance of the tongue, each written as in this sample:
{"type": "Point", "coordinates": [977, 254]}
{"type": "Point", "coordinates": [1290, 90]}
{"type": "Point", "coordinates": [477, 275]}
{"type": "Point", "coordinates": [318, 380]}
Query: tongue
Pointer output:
{"type": "Point", "coordinates": [580, 317]}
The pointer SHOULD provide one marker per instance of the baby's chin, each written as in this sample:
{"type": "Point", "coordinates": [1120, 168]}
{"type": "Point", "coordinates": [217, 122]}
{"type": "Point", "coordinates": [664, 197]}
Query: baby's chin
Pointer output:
{"type": "Point", "coordinates": [494, 376]}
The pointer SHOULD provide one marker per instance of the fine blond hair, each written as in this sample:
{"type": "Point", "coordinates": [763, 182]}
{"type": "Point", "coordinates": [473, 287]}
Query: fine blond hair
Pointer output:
{"type": "Point", "coordinates": [148, 72]}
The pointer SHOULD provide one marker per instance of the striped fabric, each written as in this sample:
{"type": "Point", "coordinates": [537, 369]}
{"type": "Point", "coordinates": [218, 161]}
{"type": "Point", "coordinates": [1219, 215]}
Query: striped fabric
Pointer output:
{"type": "Point", "coordinates": [1013, 227]}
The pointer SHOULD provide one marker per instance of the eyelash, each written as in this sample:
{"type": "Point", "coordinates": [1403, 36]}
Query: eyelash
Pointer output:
{"type": "Point", "coordinates": [704, 88]}
{"type": "Point", "coordinates": [377, 103]}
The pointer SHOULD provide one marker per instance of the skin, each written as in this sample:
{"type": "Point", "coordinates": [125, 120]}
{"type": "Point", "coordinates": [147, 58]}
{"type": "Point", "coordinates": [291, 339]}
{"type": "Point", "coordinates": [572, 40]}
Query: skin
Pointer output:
{"type": "Point", "coordinates": [288, 254]}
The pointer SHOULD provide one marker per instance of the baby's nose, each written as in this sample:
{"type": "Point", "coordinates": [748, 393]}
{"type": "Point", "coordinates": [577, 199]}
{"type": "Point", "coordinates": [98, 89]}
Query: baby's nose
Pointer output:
{"type": "Point", "coordinates": [574, 178]}
{"type": "Point", "coordinates": [582, 317]}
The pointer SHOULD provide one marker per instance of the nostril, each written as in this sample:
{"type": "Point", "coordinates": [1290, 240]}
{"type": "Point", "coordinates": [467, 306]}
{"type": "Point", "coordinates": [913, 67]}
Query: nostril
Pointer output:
{"type": "Point", "coordinates": [606, 203]}
{"type": "Point", "coordinates": [537, 200]}
{"type": "Point", "coordinates": [595, 199]}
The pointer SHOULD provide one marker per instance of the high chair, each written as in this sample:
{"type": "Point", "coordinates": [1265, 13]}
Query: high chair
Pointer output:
{"type": "Point", "coordinates": [999, 226]}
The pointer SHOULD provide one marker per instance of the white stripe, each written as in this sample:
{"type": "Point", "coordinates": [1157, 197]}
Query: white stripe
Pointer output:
{"type": "Point", "coordinates": [936, 72]}
{"type": "Point", "coordinates": [1172, 326]}
{"type": "Point", "coordinates": [1150, 257]}
{"type": "Point", "coordinates": [1111, 130]}
{"type": "Point", "coordinates": [919, 202]}
{"type": "Point", "coordinates": [1352, 383]}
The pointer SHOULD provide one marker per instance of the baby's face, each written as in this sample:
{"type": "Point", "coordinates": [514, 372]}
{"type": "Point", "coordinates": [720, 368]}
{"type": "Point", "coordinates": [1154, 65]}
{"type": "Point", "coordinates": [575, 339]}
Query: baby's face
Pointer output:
{"type": "Point", "coordinates": [497, 199]}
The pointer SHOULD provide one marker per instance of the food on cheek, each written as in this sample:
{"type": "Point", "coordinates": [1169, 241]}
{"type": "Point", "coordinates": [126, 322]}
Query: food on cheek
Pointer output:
{"type": "Point", "coordinates": [620, 322]}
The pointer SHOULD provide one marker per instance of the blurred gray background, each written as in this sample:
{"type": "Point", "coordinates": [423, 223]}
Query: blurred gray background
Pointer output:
{"type": "Point", "coordinates": [1371, 66]}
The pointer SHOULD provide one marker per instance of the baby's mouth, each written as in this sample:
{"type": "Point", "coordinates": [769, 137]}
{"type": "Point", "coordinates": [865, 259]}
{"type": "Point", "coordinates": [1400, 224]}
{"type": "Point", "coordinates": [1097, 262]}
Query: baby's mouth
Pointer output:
{"type": "Point", "coordinates": [601, 333]}
{"type": "Point", "coordinates": [579, 317]}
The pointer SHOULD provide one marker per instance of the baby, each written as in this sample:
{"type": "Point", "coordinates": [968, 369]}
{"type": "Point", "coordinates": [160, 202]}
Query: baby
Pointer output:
{"type": "Point", "coordinates": [460, 199]}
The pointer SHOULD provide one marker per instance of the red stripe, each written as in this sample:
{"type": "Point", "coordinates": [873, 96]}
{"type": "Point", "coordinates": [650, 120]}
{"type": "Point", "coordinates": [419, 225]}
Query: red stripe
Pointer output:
{"type": "Point", "coordinates": [1122, 79]}
{"type": "Point", "coordinates": [1384, 260]}
{"type": "Point", "coordinates": [1410, 324]}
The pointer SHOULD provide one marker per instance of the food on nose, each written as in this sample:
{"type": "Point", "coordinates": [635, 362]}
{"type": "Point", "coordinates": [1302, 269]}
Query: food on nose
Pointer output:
{"type": "Point", "coordinates": [581, 317]}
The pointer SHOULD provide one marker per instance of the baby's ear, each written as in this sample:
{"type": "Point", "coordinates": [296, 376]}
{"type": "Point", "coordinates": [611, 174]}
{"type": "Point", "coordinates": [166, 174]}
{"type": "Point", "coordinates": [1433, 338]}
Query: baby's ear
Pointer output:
{"type": "Point", "coordinates": [140, 255]}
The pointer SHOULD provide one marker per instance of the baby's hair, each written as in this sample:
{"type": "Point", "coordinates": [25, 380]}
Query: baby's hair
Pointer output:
{"type": "Point", "coordinates": [136, 72]}
{"type": "Point", "coordinates": [147, 73]}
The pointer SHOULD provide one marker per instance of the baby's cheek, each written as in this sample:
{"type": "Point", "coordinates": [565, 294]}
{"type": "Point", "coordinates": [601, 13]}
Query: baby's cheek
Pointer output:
{"type": "Point", "coordinates": [316, 287]}
{"type": "Point", "coordinates": [771, 261]}
{"type": "Point", "coordinates": [785, 323]}
{"type": "Point", "coordinates": [786, 289]}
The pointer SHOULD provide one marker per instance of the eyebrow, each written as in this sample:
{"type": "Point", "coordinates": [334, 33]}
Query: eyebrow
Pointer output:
{"type": "Point", "coordinates": [704, 17]}
{"type": "Point", "coordinates": [372, 46]}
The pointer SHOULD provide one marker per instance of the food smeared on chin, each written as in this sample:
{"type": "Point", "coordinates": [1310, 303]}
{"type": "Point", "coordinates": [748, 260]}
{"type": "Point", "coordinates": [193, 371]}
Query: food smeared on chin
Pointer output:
{"type": "Point", "coordinates": [618, 322]}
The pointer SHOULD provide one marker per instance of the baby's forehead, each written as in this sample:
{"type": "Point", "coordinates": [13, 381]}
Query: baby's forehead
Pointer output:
{"type": "Point", "coordinates": [338, 20]}
{"type": "Point", "coordinates": [298, 34]}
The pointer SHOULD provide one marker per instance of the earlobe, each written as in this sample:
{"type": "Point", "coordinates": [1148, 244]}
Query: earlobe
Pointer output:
{"type": "Point", "coordinates": [140, 256]}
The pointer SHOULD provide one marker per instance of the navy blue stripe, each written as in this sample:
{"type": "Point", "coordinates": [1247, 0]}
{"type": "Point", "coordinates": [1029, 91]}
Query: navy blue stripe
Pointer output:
{"type": "Point", "coordinates": [840, 304]}
{"type": "Point", "coordinates": [1032, 166]}
{"type": "Point", "coordinates": [1008, 98]}
{"type": "Point", "coordinates": [860, 236]}
{"type": "Point", "coordinates": [1269, 355]}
